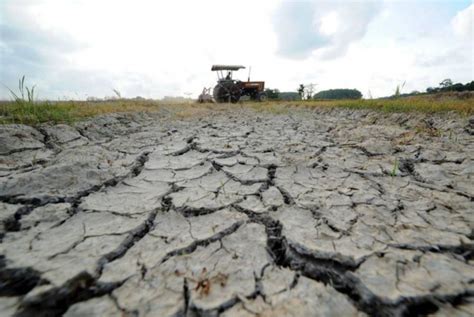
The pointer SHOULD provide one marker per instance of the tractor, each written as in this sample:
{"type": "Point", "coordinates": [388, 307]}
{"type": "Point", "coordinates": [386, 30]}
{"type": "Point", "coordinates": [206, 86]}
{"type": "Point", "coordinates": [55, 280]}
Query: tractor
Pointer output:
{"type": "Point", "coordinates": [230, 90]}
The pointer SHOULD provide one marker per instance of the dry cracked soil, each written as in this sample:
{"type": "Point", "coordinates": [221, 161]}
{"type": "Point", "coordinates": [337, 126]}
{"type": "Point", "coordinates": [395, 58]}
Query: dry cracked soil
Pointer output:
{"type": "Point", "coordinates": [323, 212]}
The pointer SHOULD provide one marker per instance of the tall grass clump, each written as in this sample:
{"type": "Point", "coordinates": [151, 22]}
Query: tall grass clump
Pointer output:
{"type": "Point", "coordinates": [20, 98]}
{"type": "Point", "coordinates": [398, 89]}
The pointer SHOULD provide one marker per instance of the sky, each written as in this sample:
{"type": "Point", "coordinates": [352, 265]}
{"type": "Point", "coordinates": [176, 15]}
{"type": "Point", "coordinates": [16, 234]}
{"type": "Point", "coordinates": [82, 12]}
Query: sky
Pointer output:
{"type": "Point", "coordinates": [75, 49]}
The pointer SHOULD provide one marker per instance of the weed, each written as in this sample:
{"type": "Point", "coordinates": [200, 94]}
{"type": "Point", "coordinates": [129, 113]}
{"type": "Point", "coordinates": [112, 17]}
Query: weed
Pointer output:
{"type": "Point", "coordinates": [431, 131]}
{"type": "Point", "coordinates": [117, 93]}
{"type": "Point", "coordinates": [393, 173]}
{"type": "Point", "coordinates": [398, 89]}
{"type": "Point", "coordinates": [33, 161]}
{"type": "Point", "coordinates": [223, 188]}
{"type": "Point", "coordinates": [404, 138]}
{"type": "Point", "coordinates": [20, 97]}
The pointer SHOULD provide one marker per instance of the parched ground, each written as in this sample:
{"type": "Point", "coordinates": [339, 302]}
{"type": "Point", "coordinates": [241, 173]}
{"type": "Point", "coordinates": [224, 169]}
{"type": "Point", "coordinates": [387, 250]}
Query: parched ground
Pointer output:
{"type": "Point", "coordinates": [239, 213]}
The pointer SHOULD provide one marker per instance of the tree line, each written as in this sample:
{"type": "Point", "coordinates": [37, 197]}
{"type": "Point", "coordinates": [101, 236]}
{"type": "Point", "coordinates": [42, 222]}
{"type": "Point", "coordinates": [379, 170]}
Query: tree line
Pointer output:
{"type": "Point", "coordinates": [448, 85]}
{"type": "Point", "coordinates": [305, 92]}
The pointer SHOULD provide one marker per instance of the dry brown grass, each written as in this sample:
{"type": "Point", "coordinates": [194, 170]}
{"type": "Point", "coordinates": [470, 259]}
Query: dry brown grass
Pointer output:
{"type": "Point", "coordinates": [424, 103]}
{"type": "Point", "coordinates": [196, 110]}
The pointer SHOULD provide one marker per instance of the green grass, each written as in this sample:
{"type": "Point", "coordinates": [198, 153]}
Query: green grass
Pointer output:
{"type": "Point", "coordinates": [68, 111]}
{"type": "Point", "coordinates": [29, 111]}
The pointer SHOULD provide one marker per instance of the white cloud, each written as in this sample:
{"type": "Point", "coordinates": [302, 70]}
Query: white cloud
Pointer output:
{"type": "Point", "coordinates": [325, 28]}
{"type": "Point", "coordinates": [463, 24]}
{"type": "Point", "coordinates": [162, 43]}
{"type": "Point", "coordinates": [85, 48]}
{"type": "Point", "coordinates": [330, 24]}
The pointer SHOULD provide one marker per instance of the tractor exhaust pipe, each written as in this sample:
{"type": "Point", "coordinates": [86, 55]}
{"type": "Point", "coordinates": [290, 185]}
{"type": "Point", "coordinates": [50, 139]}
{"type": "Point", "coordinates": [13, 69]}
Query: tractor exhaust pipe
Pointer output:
{"type": "Point", "coordinates": [250, 68]}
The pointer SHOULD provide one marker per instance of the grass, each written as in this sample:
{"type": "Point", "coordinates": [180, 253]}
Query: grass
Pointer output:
{"type": "Point", "coordinates": [28, 111]}
{"type": "Point", "coordinates": [425, 104]}
{"type": "Point", "coordinates": [71, 111]}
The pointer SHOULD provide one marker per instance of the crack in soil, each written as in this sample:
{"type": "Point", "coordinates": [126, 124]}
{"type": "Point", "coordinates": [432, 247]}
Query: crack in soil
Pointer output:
{"type": "Point", "coordinates": [338, 275]}
{"type": "Point", "coordinates": [55, 302]}
{"type": "Point", "coordinates": [202, 242]}
{"type": "Point", "coordinates": [13, 223]}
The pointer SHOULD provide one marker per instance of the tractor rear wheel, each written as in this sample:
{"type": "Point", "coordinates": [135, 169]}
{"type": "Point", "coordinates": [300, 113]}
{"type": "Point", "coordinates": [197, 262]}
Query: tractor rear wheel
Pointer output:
{"type": "Point", "coordinates": [226, 92]}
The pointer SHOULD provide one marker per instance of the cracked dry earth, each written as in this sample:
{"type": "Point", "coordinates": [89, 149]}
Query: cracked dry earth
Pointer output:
{"type": "Point", "coordinates": [239, 213]}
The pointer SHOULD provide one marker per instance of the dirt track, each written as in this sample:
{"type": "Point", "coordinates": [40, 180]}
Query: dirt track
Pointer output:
{"type": "Point", "coordinates": [305, 213]}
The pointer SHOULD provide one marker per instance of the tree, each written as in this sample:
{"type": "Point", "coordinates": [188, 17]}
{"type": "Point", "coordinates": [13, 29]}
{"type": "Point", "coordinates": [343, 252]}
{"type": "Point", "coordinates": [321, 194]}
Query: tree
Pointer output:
{"type": "Point", "coordinates": [272, 94]}
{"type": "Point", "coordinates": [290, 95]}
{"type": "Point", "coordinates": [446, 83]}
{"type": "Point", "coordinates": [456, 87]}
{"type": "Point", "coordinates": [309, 91]}
{"type": "Point", "coordinates": [338, 94]}
{"type": "Point", "coordinates": [301, 91]}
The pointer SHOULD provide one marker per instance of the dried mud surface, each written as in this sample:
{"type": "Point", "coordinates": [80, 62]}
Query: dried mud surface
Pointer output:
{"type": "Point", "coordinates": [239, 213]}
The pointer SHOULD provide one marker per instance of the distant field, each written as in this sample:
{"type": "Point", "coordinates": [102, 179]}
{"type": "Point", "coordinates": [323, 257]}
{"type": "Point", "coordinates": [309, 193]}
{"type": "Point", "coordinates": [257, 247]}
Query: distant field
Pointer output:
{"type": "Point", "coordinates": [425, 103]}
{"type": "Point", "coordinates": [70, 111]}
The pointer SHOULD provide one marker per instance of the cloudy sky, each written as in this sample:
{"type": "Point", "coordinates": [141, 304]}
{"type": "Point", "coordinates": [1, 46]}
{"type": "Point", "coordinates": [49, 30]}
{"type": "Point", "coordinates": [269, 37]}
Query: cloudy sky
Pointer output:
{"type": "Point", "coordinates": [81, 48]}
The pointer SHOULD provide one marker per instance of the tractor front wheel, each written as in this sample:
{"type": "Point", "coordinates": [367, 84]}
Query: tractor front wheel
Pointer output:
{"type": "Point", "coordinates": [262, 97]}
